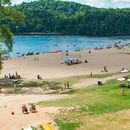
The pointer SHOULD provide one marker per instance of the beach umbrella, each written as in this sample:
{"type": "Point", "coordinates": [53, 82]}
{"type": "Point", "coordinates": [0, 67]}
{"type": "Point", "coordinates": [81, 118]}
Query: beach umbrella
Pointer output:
{"type": "Point", "coordinates": [121, 79]}
{"type": "Point", "coordinates": [125, 71]}
{"type": "Point", "coordinates": [121, 82]}
{"type": "Point", "coordinates": [128, 80]}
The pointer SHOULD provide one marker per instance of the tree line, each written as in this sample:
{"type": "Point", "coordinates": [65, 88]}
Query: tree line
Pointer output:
{"type": "Point", "coordinates": [53, 16]}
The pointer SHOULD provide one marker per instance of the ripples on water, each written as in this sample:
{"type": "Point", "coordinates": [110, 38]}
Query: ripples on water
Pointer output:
{"type": "Point", "coordinates": [45, 43]}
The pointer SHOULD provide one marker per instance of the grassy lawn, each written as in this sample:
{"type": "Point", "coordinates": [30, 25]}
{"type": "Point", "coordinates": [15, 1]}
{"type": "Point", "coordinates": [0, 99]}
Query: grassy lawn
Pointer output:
{"type": "Point", "coordinates": [89, 103]}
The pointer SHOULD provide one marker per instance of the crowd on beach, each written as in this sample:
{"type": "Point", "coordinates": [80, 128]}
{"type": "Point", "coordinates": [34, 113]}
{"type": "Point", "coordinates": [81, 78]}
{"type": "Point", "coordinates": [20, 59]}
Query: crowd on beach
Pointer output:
{"type": "Point", "coordinates": [17, 76]}
{"type": "Point", "coordinates": [117, 45]}
{"type": "Point", "coordinates": [12, 76]}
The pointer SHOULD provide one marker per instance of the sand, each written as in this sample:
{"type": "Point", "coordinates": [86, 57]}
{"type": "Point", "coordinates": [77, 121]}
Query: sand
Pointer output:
{"type": "Point", "coordinates": [49, 65]}
{"type": "Point", "coordinates": [13, 103]}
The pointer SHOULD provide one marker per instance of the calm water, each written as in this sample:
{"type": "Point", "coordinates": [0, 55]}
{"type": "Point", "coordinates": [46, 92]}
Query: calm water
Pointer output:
{"type": "Point", "coordinates": [44, 43]}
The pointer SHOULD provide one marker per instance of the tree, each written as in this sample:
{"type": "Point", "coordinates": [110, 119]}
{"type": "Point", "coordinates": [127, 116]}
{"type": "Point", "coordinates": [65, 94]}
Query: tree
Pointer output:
{"type": "Point", "coordinates": [8, 15]}
{"type": "Point", "coordinates": [56, 16]}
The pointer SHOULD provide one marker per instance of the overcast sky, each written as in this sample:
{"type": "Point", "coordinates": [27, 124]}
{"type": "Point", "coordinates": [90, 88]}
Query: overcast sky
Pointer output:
{"type": "Point", "coordinates": [96, 3]}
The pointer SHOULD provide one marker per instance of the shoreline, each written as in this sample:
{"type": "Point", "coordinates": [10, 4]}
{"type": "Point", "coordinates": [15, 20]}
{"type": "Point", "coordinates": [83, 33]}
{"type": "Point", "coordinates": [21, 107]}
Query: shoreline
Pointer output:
{"type": "Point", "coordinates": [66, 34]}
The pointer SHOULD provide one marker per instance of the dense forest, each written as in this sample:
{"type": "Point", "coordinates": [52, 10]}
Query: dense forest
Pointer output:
{"type": "Point", "coordinates": [53, 16]}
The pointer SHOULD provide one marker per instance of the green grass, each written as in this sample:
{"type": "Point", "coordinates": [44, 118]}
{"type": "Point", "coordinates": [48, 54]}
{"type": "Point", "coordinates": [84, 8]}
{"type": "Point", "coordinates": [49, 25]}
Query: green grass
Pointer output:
{"type": "Point", "coordinates": [84, 96]}
{"type": "Point", "coordinates": [91, 101]}
{"type": "Point", "coordinates": [66, 126]}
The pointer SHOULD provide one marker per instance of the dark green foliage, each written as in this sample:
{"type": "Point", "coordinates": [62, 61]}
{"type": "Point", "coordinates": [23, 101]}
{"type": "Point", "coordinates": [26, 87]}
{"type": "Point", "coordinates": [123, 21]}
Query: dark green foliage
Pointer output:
{"type": "Point", "coordinates": [53, 16]}
{"type": "Point", "coordinates": [8, 16]}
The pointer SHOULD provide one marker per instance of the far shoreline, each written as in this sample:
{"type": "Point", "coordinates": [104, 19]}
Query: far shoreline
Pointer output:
{"type": "Point", "coordinates": [89, 35]}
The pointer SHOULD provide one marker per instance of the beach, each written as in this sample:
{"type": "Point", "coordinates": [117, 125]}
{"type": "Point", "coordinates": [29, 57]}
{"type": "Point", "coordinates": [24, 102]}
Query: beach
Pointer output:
{"type": "Point", "coordinates": [13, 103]}
{"type": "Point", "coordinates": [50, 65]}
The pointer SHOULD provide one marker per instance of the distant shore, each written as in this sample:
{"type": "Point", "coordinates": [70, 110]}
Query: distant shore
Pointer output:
{"type": "Point", "coordinates": [38, 33]}
{"type": "Point", "coordinates": [90, 35]}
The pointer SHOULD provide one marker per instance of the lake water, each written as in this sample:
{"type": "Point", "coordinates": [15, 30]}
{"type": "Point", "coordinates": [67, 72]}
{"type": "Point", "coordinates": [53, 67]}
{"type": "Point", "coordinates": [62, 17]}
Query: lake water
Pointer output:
{"type": "Point", "coordinates": [45, 43]}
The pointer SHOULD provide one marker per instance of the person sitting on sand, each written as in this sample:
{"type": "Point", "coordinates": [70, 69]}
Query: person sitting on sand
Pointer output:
{"type": "Point", "coordinates": [33, 108]}
{"type": "Point", "coordinates": [86, 61]}
{"type": "Point", "coordinates": [13, 76]}
{"type": "Point", "coordinates": [5, 76]}
{"type": "Point", "coordinates": [24, 109]}
{"type": "Point", "coordinates": [105, 69]}
{"type": "Point", "coordinates": [10, 76]}
{"type": "Point", "coordinates": [39, 77]}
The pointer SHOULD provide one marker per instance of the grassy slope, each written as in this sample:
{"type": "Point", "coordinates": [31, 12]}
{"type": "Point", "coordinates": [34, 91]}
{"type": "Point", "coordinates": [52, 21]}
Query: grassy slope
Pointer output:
{"type": "Point", "coordinates": [92, 102]}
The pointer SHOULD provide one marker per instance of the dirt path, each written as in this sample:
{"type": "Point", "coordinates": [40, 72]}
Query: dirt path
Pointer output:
{"type": "Point", "coordinates": [92, 81]}
{"type": "Point", "coordinates": [17, 121]}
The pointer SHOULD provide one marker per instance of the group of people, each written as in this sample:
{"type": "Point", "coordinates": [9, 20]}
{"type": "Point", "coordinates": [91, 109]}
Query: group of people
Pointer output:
{"type": "Point", "coordinates": [120, 46]}
{"type": "Point", "coordinates": [36, 58]}
{"type": "Point", "coordinates": [66, 85]}
{"type": "Point", "coordinates": [30, 54]}
{"type": "Point", "coordinates": [26, 111]}
{"type": "Point", "coordinates": [104, 69]}
{"type": "Point", "coordinates": [12, 76]}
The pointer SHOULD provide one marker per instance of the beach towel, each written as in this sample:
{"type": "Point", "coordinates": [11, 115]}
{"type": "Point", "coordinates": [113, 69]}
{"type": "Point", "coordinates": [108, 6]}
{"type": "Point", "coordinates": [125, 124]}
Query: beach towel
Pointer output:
{"type": "Point", "coordinates": [47, 127]}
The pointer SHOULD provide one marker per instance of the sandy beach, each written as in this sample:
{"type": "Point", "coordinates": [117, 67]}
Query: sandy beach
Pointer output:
{"type": "Point", "coordinates": [49, 65]}
{"type": "Point", "coordinates": [13, 103]}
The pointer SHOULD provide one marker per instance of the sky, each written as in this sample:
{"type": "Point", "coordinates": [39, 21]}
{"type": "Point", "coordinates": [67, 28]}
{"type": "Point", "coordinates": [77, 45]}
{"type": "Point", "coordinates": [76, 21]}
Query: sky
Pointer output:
{"type": "Point", "coordinates": [95, 3]}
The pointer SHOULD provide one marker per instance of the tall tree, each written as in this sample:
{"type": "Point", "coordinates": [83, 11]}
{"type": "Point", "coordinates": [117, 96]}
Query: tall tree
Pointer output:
{"type": "Point", "coordinates": [56, 16]}
{"type": "Point", "coordinates": [8, 15]}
